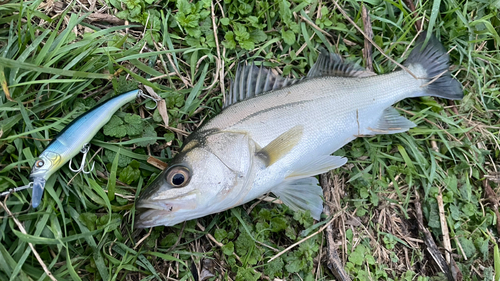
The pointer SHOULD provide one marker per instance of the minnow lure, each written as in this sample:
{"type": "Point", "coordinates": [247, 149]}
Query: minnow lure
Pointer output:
{"type": "Point", "coordinates": [74, 138]}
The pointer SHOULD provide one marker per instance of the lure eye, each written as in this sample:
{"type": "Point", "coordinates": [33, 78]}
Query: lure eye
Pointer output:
{"type": "Point", "coordinates": [39, 163]}
{"type": "Point", "coordinates": [178, 176]}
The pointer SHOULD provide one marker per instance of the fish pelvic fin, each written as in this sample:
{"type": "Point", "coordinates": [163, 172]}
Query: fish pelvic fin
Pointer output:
{"type": "Point", "coordinates": [431, 62]}
{"type": "Point", "coordinates": [301, 195]}
{"type": "Point", "coordinates": [280, 146]}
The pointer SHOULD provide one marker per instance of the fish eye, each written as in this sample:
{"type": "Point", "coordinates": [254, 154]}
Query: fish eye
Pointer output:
{"type": "Point", "coordinates": [178, 176]}
{"type": "Point", "coordinates": [39, 163]}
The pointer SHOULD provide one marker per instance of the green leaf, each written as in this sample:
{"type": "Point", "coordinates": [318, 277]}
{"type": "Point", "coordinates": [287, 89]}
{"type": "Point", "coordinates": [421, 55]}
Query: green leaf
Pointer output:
{"type": "Point", "coordinates": [228, 249]}
{"type": "Point", "coordinates": [467, 246]}
{"type": "Point", "coordinates": [294, 265]}
{"type": "Point", "coordinates": [288, 36]}
{"type": "Point", "coordinates": [247, 274]}
{"type": "Point", "coordinates": [169, 137]}
{"type": "Point", "coordinates": [358, 256]}
{"type": "Point", "coordinates": [108, 222]}
{"type": "Point", "coordinates": [224, 21]}
{"type": "Point", "coordinates": [169, 240]}
{"type": "Point", "coordinates": [89, 219]}
{"type": "Point", "coordinates": [273, 268]}
{"type": "Point", "coordinates": [220, 234]}
{"type": "Point", "coordinates": [278, 224]}
{"type": "Point", "coordinates": [258, 36]}
{"type": "Point", "coordinates": [112, 177]}
{"type": "Point", "coordinates": [123, 160]}
{"type": "Point", "coordinates": [149, 134]}
{"type": "Point", "coordinates": [129, 175]}
{"type": "Point", "coordinates": [496, 261]}
{"type": "Point", "coordinates": [241, 33]}
{"type": "Point", "coordinates": [248, 45]}
{"type": "Point", "coordinates": [184, 6]}
{"type": "Point", "coordinates": [115, 128]}
{"type": "Point", "coordinates": [135, 126]}
{"type": "Point", "coordinates": [230, 43]}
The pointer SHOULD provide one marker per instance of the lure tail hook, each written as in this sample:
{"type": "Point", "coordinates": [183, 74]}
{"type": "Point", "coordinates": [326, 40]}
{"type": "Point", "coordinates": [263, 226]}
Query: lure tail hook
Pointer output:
{"type": "Point", "coordinates": [146, 96]}
{"type": "Point", "coordinates": [85, 150]}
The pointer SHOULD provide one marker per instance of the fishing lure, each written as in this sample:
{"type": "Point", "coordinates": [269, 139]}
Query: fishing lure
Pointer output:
{"type": "Point", "coordinates": [74, 138]}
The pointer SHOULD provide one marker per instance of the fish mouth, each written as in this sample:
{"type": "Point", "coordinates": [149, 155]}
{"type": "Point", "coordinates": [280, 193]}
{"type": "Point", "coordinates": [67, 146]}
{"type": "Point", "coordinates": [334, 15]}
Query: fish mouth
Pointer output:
{"type": "Point", "coordinates": [37, 191]}
{"type": "Point", "coordinates": [152, 213]}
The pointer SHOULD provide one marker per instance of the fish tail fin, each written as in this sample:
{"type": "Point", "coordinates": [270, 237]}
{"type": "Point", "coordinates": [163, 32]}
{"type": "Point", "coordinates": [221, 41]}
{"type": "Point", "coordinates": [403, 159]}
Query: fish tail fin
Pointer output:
{"type": "Point", "coordinates": [431, 62]}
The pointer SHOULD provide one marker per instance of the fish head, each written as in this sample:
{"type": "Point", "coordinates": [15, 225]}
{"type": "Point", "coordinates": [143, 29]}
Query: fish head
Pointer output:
{"type": "Point", "coordinates": [43, 168]}
{"type": "Point", "coordinates": [203, 178]}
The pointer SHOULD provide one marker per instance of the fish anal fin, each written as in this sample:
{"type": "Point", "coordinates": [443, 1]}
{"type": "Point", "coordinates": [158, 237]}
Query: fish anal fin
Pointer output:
{"type": "Point", "coordinates": [301, 195]}
{"type": "Point", "coordinates": [391, 122]}
{"type": "Point", "coordinates": [280, 146]}
{"type": "Point", "coordinates": [329, 64]}
{"type": "Point", "coordinates": [317, 166]}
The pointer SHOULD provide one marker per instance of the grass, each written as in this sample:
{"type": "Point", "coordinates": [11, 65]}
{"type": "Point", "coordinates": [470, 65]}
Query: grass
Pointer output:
{"type": "Point", "coordinates": [56, 63]}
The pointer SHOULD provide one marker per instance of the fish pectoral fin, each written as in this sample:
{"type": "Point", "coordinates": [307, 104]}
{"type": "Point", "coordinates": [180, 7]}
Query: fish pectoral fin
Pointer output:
{"type": "Point", "coordinates": [317, 166]}
{"type": "Point", "coordinates": [329, 64]}
{"type": "Point", "coordinates": [392, 122]}
{"type": "Point", "coordinates": [301, 195]}
{"type": "Point", "coordinates": [280, 146]}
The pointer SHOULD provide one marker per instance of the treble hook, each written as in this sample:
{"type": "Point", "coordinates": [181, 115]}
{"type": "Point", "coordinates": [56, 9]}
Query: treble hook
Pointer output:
{"type": "Point", "coordinates": [85, 149]}
{"type": "Point", "coordinates": [146, 96]}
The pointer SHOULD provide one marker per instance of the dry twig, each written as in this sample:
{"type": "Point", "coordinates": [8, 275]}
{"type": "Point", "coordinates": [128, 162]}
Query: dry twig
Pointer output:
{"type": "Point", "coordinates": [444, 228]}
{"type": "Point", "coordinates": [429, 242]}
{"type": "Point", "coordinates": [367, 50]}
{"type": "Point", "coordinates": [333, 263]}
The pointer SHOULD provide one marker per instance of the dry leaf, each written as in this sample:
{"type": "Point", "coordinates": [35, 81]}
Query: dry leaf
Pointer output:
{"type": "Point", "coordinates": [5, 88]}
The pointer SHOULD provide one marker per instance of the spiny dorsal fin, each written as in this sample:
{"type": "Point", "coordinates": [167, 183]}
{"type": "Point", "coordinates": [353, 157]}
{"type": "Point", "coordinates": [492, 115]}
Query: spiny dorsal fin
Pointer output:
{"type": "Point", "coordinates": [251, 81]}
{"type": "Point", "coordinates": [329, 64]}
{"type": "Point", "coordinates": [280, 146]}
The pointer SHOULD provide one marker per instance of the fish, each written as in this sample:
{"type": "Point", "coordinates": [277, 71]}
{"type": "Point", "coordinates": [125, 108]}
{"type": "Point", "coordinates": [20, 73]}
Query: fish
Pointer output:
{"type": "Point", "coordinates": [275, 134]}
{"type": "Point", "coordinates": [73, 139]}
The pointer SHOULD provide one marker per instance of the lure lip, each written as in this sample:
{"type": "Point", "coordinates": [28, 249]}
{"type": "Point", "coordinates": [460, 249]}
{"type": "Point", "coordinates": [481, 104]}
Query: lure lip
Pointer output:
{"type": "Point", "coordinates": [37, 193]}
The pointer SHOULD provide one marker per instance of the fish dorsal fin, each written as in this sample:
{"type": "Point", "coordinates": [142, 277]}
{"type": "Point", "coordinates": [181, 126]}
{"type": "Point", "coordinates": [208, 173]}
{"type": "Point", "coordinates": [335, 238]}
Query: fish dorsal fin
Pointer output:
{"type": "Point", "coordinates": [329, 64]}
{"type": "Point", "coordinates": [251, 81]}
{"type": "Point", "coordinates": [281, 145]}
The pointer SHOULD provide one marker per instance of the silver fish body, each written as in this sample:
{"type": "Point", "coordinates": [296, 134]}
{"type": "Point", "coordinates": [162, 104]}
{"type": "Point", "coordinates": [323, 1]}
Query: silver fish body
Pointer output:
{"type": "Point", "coordinates": [273, 137]}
